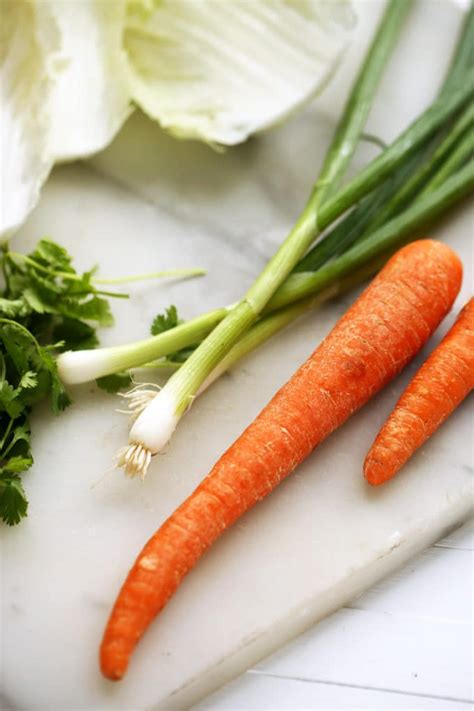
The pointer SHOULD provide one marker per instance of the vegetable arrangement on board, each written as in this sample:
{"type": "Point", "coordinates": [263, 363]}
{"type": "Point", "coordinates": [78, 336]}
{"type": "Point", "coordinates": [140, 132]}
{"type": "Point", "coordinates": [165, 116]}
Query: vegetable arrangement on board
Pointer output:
{"type": "Point", "coordinates": [407, 186]}
{"type": "Point", "coordinates": [344, 235]}
{"type": "Point", "coordinates": [45, 307]}
{"type": "Point", "coordinates": [377, 337]}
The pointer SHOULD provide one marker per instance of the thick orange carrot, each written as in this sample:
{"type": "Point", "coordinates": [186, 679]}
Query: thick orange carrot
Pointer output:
{"type": "Point", "coordinates": [441, 384]}
{"type": "Point", "coordinates": [379, 334]}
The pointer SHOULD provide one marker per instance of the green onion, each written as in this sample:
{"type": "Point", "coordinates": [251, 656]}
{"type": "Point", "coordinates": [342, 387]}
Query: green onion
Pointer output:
{"type": "Point", "coordinates": [421, 129]}
{"type": "Point", "coordinates": [357, 221]}
{"type": "Point", "coordinates": [400, 188]}
{"type": "Point", "coordinates": [460, 69]}
{"type": "Point", "coordinates": [82, 366]}
{"type": "Point", "coordinates": [357, 108]}
{"type": "Point", "coordinates": [269, 325]}
{"type": "Point", "coordinates": [390, 235]}
{"type": "Point", "coordinates": [155, 426]}
{"type": "Point", "coordinates": [417, 174]}
{"type": "Point", "coordinates": [292, 300]}
{"type": "Point", "coordinates": [462, 152]}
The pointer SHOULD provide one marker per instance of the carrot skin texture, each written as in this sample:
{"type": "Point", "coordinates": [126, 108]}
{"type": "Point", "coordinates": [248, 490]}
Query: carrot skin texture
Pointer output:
{"type": "Point", "coordinates": [440, 385]}
{"type": "Point", "coordinates": [376, 338]}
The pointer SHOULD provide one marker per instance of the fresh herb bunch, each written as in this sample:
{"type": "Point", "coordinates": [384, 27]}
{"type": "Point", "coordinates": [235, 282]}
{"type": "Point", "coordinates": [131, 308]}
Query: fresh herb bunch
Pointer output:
{"type": "Point", "coordinates": [45, 307]}
{"type": "Point", "coordinates": [45, 294]}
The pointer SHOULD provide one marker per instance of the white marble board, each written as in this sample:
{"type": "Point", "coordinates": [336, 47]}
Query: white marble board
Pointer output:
{"type": "Point", "coordinates": [318, 541]}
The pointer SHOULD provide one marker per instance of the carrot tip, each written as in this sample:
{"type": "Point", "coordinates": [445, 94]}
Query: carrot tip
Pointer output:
{"type": "Point", "coordinates": [376, 472]}
{"type": "Point", "coordinates": [114, 671]}
{"type": "Point", "coordinates": [373, 481]}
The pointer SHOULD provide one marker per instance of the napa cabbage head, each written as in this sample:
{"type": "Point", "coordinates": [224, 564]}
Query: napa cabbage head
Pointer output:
{"type": "Point", "coordinates": [211, 70]}
{"type": "Point", "coordinates": [64, 91]}
{"type": "Point", "coordinates": [221, 71]}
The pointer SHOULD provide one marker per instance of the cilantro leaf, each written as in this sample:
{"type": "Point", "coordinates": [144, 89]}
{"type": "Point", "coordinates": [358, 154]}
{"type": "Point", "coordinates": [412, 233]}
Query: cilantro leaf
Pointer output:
{"type": "Point", "coordinates": [163, 322]}
{"type": "Point", "coordinates": [53, 255]}
{"type": "Point", "coordinates": [18, 344]}
{"type": "Point", "coordinates": [76, 334]}
{"type": "Point", "coordinates": [9, 402]}
{"type": "Point", "coordinates": [13, 501]}
{"type": "Point", "coordinates": [93, 309]}
{"type": "Point", "coordinates": [59, 397]}
{"type": "Point", "coordinates": [28, 379]}
{"type": "Point", "coordinates": [19, 464]}
{"type": "Point", "coordinates": [34, 301]}
{"type": "Point", "coordinates": [113, 383]}
{"type": "Point", "coordinates": [14, 308]}
{"type": "Point", "coordinates": [182, 355]}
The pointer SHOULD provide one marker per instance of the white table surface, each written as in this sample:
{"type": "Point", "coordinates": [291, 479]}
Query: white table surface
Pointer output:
{"type": "Point", "coordinates": [406, 644]}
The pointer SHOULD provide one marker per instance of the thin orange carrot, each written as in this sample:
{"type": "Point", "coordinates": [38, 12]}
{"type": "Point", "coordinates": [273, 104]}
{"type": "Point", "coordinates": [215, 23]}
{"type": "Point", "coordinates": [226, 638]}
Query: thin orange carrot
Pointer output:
{"type": "Point", "coordinates": [379, 334]}
{"type": "Point", "coordinates": [441, 384]}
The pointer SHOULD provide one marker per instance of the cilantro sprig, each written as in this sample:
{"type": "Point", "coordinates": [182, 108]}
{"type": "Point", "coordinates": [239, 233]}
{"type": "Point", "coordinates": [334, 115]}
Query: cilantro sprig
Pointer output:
{"type": "Point", "coordinates": [166, 321]}
{"type": "Point", "coordinates": [45, 307]}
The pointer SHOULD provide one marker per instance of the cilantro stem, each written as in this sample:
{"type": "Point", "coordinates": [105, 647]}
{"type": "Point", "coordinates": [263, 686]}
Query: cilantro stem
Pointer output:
{"type": "Point", "coordinates": [8, 449]}
{"type": "Point", "coordinates": [101, 292]}
{"type": "Point", "coordinates": [23, 329]}
{"type": "Point", "coordinates": [179, 272]}
{"type": "Point", "coordinates": [72, 276]}
{"type": "Point", "coordinates": [5, 437]}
